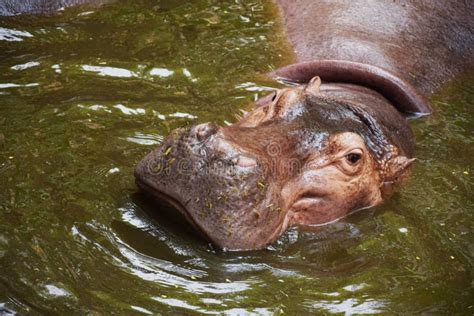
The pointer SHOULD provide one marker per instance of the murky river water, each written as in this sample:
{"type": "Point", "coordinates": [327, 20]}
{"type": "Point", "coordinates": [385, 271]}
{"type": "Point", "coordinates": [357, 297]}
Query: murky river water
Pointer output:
{"type": "Point", "coordinates": [85, 94]}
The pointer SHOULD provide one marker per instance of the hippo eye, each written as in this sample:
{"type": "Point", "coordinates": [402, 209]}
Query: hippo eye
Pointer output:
{"type": "Point", "coordinates": [353, 158]}
{"type": "Point", "coordinates": [274, 97]}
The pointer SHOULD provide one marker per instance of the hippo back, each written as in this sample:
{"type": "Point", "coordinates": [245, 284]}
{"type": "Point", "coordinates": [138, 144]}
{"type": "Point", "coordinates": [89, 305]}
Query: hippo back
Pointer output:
{"type": "Point", "coordinates": [423, 42]}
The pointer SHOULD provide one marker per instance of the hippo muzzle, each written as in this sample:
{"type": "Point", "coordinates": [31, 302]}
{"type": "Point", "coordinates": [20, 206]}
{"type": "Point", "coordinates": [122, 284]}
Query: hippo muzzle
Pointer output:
{"type": "Point", "coordinates": [205, 175]}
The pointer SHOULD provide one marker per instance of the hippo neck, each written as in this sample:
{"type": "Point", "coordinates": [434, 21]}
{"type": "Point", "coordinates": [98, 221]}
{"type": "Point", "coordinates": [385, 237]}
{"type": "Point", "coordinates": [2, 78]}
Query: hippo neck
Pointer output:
{"type": "Point", "coordinates": [403, 96]}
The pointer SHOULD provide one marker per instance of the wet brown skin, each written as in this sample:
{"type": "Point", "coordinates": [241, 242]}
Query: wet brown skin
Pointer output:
{"type": "Point", "coordinates": [312, 154]}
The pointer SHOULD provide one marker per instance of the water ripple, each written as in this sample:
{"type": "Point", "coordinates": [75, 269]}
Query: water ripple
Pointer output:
{"type": "Point", "coordinates": [24, 66]}
{"type": "Point", "coordinates": [109, 71]}
{"type": "Point", "coordinates": [12, 35]}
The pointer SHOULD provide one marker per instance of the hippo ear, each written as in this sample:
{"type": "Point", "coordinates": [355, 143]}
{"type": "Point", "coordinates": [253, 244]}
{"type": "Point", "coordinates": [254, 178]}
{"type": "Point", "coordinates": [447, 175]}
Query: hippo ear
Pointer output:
{"type": "Point", "coordinates": [397, 168]}
{"type": "Point", "coordinates": [313, 86]}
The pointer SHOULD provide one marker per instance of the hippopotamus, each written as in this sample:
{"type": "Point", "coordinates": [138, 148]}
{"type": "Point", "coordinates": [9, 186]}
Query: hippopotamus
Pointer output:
{"type": "Point", "coordinates": [333, 142]}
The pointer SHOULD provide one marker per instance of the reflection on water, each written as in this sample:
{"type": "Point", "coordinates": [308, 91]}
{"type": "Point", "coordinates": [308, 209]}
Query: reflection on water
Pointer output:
{"type": "Point", "coordinates": [12, 35]}
{"type": "Point", "coordinates": [351, 306]}
{"type": "Point", "coordinates": [109, 71]}
{"type": "Point", "coordinates": [14, 85]}
{"type": "Point", "coordinates": [27, 65]}
{"type": "Point", "coordinates": [84, 95]}
{"type": "Point", "coordinates": [161, 72]}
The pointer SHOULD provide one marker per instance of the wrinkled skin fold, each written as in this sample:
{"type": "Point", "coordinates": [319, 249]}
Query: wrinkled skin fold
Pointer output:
{"type": "Point", "coordinates": [309, 156]}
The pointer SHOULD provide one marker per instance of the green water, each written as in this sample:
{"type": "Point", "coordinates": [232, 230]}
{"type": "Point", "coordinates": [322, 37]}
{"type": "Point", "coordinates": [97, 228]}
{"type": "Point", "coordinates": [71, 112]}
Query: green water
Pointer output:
{"type": "Point", "coordinates": [86, 94]}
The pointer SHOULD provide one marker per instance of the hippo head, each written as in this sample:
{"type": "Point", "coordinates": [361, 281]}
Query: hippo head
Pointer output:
{"type": "Point", "coordinates": [306, 157]}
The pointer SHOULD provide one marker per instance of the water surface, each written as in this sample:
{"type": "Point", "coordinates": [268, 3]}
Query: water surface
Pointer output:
{"type": "Point", "coordinates": [85, 94]}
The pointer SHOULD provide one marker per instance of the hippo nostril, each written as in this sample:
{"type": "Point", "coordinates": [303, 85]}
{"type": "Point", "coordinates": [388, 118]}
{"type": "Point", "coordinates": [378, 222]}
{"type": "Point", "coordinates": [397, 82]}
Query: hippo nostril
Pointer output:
{"type": "Point", "coordinates": [205, 130]}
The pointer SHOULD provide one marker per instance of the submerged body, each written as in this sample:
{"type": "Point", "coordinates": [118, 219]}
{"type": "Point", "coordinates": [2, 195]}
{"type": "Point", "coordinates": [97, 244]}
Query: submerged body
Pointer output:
{"type": "Point", "coordinates": [316, 152]}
